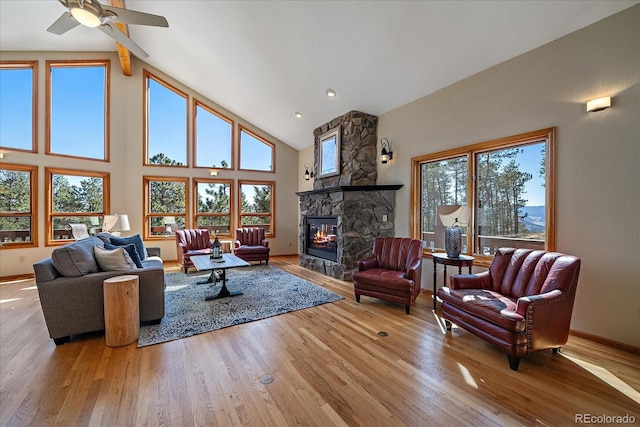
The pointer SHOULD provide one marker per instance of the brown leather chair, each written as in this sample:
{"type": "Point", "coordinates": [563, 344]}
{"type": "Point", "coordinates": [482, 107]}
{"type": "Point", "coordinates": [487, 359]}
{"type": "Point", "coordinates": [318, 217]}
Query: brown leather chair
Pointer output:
{"type": "Point", "coordinates": [393, 271]}
{"type": "Point", "coordinates": [522, 304]}
{"type": "Point", "coordinates": [191, 242]}
{"type": "Point", "coordinates": [251, 245]}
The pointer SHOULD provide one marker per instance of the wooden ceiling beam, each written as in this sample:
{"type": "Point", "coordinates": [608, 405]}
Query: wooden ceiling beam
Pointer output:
{"type": "Point", "coordinates": [123, 52]}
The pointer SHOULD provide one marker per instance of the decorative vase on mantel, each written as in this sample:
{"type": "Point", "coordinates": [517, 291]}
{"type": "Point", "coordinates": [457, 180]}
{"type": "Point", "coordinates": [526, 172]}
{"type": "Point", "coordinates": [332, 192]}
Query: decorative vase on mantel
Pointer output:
{"type": "Point", "coordinates": [453, 241]}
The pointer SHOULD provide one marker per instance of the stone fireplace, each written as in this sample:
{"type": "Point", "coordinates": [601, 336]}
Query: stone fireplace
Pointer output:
{"type": "Point", "coordinates": [349, 210]}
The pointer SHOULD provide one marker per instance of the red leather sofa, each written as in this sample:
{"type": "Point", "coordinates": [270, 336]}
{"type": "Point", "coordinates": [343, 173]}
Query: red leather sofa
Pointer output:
{"type": "Point", "coordinates": [392, 273]}
{"type": "Point", "coordinates": [522, 304]}
{"type": "Point", "coordinates": [251, 244]}
{"type": "Point", "coordinates": [190, 242]}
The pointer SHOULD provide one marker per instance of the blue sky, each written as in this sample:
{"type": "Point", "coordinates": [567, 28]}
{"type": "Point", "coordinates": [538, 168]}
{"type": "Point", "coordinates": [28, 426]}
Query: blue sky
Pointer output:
{"type": "Point", "coordinates": [78, 127]}
{"type": "Point", "coordinates": [15, 108]}
{"type": "Point", "coordinates": [529, 161]}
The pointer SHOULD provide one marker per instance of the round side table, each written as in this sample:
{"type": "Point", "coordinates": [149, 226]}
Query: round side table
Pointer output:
{"type": "Point", "coordinates": [121, 310]}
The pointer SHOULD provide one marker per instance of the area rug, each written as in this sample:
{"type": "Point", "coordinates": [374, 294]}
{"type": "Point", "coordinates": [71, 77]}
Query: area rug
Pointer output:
{"type": "Point", "coordinates": [267, 291]}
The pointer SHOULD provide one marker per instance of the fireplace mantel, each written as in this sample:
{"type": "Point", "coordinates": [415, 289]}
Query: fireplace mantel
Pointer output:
{"type": "Point", "coordinates": [347, 188]}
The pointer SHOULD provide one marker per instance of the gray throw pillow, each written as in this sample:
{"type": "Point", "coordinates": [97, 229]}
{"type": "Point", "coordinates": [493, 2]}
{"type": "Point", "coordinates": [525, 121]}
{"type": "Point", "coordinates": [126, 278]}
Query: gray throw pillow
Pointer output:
{"type": "Point", "coordinates": [131, 250]}
{"type": "Point", "coordinates": [76, 259]}
{"type": "Point", "coordinates": [113, 260]}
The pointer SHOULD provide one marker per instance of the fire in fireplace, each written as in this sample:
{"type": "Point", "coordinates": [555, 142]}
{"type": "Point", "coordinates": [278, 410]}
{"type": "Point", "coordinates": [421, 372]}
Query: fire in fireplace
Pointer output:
{"type": "Point", "coordinates": [321, 238]}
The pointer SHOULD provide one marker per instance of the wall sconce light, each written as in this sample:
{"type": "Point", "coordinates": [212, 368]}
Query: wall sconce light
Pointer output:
{"type": "Point", "coordinates": [213, 172]}
{"type": "Point", "coordinates": [1, 155]}
{"type": "Point", "coordinates": [599, 104]}
{"type": "Point", "coordinates": [307, 172]}
{"type": "Point", "coordinates": [386, 154]}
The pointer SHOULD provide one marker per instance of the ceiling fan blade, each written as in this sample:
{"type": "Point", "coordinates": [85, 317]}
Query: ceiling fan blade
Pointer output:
{"type": "Point", "coordinates": [112, 31]}
{"type": "Point", "coordinates": [126, 16]}
{"type": "Point", "coordinates": [65, 23]}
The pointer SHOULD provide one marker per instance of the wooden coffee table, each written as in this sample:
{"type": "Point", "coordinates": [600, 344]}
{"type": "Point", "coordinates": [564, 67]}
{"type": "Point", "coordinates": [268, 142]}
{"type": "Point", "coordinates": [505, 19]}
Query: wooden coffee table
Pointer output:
{"type": "Point", "coordinates": [220, 266]}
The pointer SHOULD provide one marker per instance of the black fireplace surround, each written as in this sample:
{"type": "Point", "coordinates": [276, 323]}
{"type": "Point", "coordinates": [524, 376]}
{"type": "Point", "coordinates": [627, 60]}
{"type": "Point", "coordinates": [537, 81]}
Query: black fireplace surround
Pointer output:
{"type": "Point", "coordinates": [321, 238]}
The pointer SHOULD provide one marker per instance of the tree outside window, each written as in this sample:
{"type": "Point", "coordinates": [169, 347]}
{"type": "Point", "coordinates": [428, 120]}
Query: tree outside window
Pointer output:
{"type": "Point", "coordinates": [75, 197]}
{"type": "Point", "coordinates": [165, 197]}
{"type": "Point", "coordinates": [257, 201]}
{"type": "Point", "coordinates": [213, 210]}
{"type": "Point", "coordinates": [77, 122]}
{"type": "Point", "coordinates": [18, 202]}
{"type": "Point", "coordinates": [18, 105]}
{"type": "Point", "coordinates": [509, 196]}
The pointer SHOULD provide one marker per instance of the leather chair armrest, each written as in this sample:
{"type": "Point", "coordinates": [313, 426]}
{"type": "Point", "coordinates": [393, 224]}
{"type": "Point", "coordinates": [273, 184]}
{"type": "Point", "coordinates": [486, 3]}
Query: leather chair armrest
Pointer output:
{"type": "Point", "coordinates": [265, 243]}
{"type": "Point", "coordinates": [366, 264]}
{"type": "Point", "coordinates": [237, 244]}
{"type": "Point", "coordinates": [470, 281]}
{"type": "Point", "coordinates": [413, 268]}
{"type": "Point", "coordinates": [523, 303]}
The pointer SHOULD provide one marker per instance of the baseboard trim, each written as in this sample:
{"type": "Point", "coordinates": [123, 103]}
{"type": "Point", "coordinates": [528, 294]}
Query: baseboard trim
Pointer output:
{"type": "Point", "coordinates": [610, 343]}
{"type": "Point", "coordinates": [17, 277]}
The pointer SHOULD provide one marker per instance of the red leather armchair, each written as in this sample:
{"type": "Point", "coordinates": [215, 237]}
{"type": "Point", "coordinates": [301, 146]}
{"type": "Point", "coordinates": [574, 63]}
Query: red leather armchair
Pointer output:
{"type": "Point", "coordinates": [251, 245]}
{"type": "Point", "coordinates": [522, 304]}
{"type": "Point", "coordinates": [392, 273]}
{"type": "Point", "coordinates": [191, 242]}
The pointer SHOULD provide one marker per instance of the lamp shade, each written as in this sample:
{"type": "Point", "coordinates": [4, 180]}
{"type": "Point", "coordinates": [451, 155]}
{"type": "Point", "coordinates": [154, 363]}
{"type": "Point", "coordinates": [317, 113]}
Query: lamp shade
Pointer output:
{"type": "Point", "coordinates": [454, 215]}
{"type": "Point", "coordinates": [115, 223]}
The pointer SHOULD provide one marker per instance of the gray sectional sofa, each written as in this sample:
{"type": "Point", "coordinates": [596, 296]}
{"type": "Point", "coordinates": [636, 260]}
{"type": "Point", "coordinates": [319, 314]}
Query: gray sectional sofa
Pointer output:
{"type": "Point", "coordinates": [70, 288]}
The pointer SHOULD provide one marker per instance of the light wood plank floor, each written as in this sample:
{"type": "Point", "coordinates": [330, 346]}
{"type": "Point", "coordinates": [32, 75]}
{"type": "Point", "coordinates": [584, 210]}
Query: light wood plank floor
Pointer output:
{"type": "Point", "coordinates": [330, 367]}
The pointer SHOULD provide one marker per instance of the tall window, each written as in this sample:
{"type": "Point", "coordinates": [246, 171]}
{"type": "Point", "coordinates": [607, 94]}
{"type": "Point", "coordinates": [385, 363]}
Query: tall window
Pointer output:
{"type": "Point", "coordinates": [74, 197]}
{"type": "Point", "coordinates": [165, 207]}
{"type": "Point", "coordinates": [77, 123]}
{"type": "Point", "coordinates": [499, 192]}
{"type": "Point", "coordinates": [18, 206]}
{"type": "Point", "coordinates": [165, 123]}
{"type": "Point", "coordinates": [213, 138]}
{"type": "Point", "coordinates": [18, 105]}
{"type": "Point", "coordinates": [257, 205]}
{"type": "Point", "coordinates": [256, 153]}
{"type": "Point", "coordinates": [213, 205]}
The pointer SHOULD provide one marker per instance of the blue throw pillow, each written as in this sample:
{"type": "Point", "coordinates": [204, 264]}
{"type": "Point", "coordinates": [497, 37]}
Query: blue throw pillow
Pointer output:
{"type": "Point", "coordinates": [136, 240]}
{"type": "Point", "coordinates": [131, 250]}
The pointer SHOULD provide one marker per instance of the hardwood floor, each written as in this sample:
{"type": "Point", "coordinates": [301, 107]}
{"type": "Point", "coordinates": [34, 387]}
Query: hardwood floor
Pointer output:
{"type": "Point", "coordinates": [329, 367]}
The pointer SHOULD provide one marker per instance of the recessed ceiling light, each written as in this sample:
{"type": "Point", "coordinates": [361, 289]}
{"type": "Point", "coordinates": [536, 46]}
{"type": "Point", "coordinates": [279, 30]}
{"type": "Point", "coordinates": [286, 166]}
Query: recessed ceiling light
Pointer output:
{"type": "Point", "coordinates": [298, 115]}
{"type": "Point", "coordinates": [331, 93]}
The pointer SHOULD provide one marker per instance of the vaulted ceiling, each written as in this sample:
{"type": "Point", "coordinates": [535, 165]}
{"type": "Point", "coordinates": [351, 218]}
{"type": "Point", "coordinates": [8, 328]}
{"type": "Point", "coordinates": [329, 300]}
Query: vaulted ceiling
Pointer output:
{"type": "Point", "coordinates": [266, 60]}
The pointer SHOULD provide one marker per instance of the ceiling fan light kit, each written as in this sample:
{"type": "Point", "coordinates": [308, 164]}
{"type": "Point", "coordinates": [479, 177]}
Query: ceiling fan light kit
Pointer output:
{"type": "Point", "coordinates": [91, 13]}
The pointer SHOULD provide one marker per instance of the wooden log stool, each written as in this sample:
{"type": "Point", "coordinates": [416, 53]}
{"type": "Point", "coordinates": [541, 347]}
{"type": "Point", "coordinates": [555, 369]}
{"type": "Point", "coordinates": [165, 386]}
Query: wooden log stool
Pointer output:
{"type": "Point", "coordinates": [121, 310]}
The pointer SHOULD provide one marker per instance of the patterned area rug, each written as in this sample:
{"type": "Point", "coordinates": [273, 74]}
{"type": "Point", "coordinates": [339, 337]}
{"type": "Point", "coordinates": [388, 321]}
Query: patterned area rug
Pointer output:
{"type": "Point", "coordinates": [267, 291]}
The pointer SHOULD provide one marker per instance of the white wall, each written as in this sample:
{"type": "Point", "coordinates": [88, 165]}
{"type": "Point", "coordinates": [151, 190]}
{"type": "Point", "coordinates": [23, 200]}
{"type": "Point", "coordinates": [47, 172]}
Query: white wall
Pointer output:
{"type": "Point", "coordinates": [126, 167]}
{"type": "Point", "coordinates": [598, 154]}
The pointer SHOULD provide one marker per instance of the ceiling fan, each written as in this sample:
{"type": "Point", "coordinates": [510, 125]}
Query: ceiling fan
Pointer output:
{"type": "Point", "coordinates": [91, 13]}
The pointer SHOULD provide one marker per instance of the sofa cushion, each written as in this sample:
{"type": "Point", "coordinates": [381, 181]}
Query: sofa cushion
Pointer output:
{"type": "Point", "coordinates": [105, 236]}
{"type": "Point", "coordinates": [113, 259]}
{"type": "Point", "coordinates": [131, 250]}
{"type": "Point", "coordinates": [485, 304]}
{"type": "Point", "coordinates": [136, 240]}
{"type": "Point", "coordinates": [76, 259]}
{"type": "Point", "coordinates": [381, 277]}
